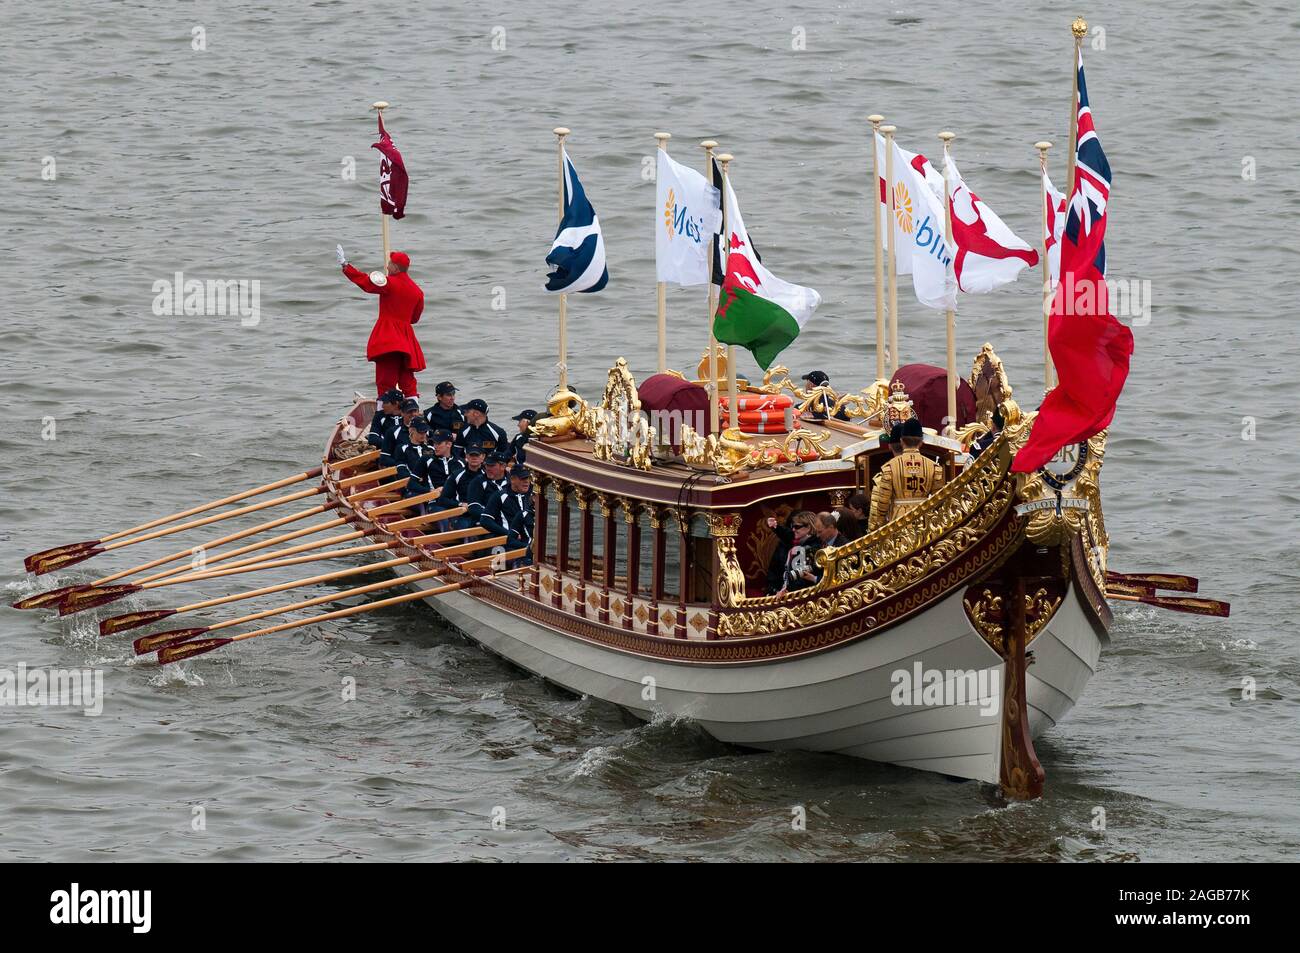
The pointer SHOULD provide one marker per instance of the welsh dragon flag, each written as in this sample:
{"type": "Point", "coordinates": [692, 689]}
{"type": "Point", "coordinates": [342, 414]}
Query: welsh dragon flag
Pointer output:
{"type": "Point", "coordinates": [756, 309]}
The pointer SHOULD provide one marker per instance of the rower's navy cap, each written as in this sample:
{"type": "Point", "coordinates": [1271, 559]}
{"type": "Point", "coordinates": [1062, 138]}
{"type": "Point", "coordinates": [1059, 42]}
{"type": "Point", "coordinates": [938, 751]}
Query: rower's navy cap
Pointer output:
{"type": "Point", "coordinates": [525, 415]}
{"type": "Point", "coordinates": [446, 387]}
{"type": "Point", "coordinates": [420, 425]}
{"type": "Point", "coordinates": [441, 436]}
{"type": "Point", "coordinates": [912, 428]}
{"type": "Point", "coordinates": [498, 457]}
{"type": "Point", "coordinates": [895, 433]}
{"type": "Point", "coordinates": [475, 448]}
{"type": "Point", "coordinates": [520, 472]}
{"type": "Point", "coordinates": [476, 404]}
{"type": "Point", "coordinates": [392, 396]}
{"type": "Point", "coordinates": [409, 403]}
{"type": "Point", "coordinates": [817, 378]}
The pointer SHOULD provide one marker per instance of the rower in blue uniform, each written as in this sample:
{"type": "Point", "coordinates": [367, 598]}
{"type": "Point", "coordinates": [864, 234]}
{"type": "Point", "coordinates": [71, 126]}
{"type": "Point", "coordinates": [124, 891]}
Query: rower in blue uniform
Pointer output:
{"type": "Point", "coordinates": [519, 442]}
{"type": "Point", "coordinates": [456, 488]}
{"type": "Point", "coordinates": [444, 462]}
{"type": "Point", "coordinates": [478, 429]}
{"type": "Point", "coordinates": [414, 457]}
{"type": "Point", "coordinates": [478, 493]}
{"type": "Point", "coordinates": [385, 414]}
{"type": "Point", "coordinates": [444, 414]}
{"type": "Point", "coordinates": [396, 435]}
{"type": "Point", "coordinates": [510, 513]}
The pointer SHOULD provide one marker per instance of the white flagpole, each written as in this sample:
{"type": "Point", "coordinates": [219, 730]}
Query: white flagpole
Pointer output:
{"type": "Point", "coordinates": [875, 121]}
{"type": "Point", "coordinates": [379, 107]}
{"type": "Point", "coordinates": [1048, 374]}
{"type": "Point", "coordinates": [947, 138]}
{"type": "Point", "coordinates": [708, 145]}
{"type": "Point", "coordinates": [733, 400]}
{"type": "Point", "coordinates": [893, 252]}
{"type": "Point", "coordinates": [562, 363]}
{"type": "Point", "coordinates": [662, 287]}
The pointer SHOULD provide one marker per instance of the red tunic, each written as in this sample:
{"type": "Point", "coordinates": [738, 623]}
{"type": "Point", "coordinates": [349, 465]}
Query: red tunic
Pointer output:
{"type": "Point", "coordinates": [400, 304]}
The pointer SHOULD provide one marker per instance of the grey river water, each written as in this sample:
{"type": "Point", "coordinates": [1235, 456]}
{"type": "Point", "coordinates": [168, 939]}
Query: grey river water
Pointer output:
{"type": "Point", "coordinates": [128, 155]}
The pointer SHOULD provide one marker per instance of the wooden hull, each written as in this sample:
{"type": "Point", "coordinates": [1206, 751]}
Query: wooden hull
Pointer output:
{"type": "Point", "coordinates": [825, 682]}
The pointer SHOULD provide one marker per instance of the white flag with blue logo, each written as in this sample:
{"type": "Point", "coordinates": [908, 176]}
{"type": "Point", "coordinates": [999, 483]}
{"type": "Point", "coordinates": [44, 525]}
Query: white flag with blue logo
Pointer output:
{"type": "Point", "coordinates": [578, 252]}
{"type": "Point", "coordinates": [687, 216]}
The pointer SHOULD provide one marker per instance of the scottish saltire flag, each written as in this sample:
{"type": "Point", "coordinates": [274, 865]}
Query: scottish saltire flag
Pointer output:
{"type": "Point", "coordinates": [578, 252]}
{"type": "Point", "coordinates": [1091, 350]}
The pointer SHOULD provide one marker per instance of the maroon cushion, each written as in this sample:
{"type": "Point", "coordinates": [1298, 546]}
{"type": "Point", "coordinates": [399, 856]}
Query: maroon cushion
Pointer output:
{"type": "Point", "coordinates": [676, 401]}
{"type": "Point", "coordinates": [927, 386]}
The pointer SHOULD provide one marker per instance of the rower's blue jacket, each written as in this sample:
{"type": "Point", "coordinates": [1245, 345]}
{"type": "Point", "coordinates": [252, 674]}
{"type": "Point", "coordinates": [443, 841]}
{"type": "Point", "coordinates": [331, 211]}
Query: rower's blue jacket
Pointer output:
{"type": "Point", "coordinates": [413, 461]}
{"type": "Point", "coordinates": [379, 424]}
{"type": "Point", "coordinates": [452, 421]}
{"type": "Point", "coordinates": [456, 486]}
{"type": "Point", "coordinates": [394, 437]}
{"type": "Point", "coordinates": [478, 493]}
{"type": "Point", "coordinates": [519, 448]}
{"type": "Point", "coordinates": [510, 514]}
{"type": "Point", "coordinates": [487, 435]}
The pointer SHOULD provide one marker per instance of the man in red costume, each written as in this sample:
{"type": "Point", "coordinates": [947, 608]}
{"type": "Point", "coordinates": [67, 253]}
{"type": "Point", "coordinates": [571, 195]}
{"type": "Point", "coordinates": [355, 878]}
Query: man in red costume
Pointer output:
{"type": "Point", "coordinates": [392, 344]}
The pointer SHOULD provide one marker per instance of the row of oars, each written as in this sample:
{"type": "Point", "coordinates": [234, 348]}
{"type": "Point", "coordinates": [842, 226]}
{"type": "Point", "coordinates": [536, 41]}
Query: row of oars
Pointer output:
{"type": "Point", "coordinates": [176, 644]}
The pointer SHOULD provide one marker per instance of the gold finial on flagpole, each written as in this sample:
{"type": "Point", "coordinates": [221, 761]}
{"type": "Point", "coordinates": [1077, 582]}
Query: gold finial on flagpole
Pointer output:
{"type": "Point", "coordinates": [562, 363]}
{"type": "Point", "coordinates": [1042, 148]}
{"type": "Point", "coordinates": [946, 138]}
{"type": "Point", "coordinates": [733, 400]}
{"type": "Point", "coordinates": [876, 119]}
{"type": "Point", "coordinates": [661, 288]}
{"type": "Point", "coordinates": [1079, 28]}
{"type": "Point", "coordinates": [711, 385]}
{"type": "Point", "coordinates": [379, 107]}
{"type": "Point", "coordinates": [888, 132]}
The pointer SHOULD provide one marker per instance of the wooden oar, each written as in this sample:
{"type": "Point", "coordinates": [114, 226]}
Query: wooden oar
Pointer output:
{"type": "Point", "coordinates": [133, 620]}
{"type": "Point", "coordinates": [1192, 604]}
{"type": "Point", "coordinates": [376, 491]}
{"type": "Point", "coordinates": [402, 504]}
{"type": "Point", "coordinates": [1154, 580]}
{"type": "Point", "coordinates": [352, 462]}
{"type": "Point", "coordinates": [373, 475]}
{"type": "Point", "coordinates": [79, 598]}
{"type": "Point", "coordinates": [183, 514]}
{"type": "Point", "coordinates": [184, 650]}
{"type": "Point", "coordinates": [172, 637]}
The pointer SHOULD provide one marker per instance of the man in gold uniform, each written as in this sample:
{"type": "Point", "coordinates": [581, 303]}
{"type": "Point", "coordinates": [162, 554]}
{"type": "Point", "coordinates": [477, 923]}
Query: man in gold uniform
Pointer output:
{"type": "Point", "coordinates": [904, 481]}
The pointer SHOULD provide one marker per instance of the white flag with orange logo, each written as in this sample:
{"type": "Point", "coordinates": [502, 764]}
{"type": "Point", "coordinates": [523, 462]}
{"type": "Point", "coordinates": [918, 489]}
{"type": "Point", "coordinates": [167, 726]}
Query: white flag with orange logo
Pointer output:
{"type": "Point", "coordinates": [918, 227]}
{"type": "Point", "coordinates": [688, 214]}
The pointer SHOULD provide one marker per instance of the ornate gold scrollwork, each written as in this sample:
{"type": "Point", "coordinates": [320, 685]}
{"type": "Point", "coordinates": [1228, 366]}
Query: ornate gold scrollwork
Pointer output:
{"type": "Point", "coordinates": [987, 612]}
{"type": "Point", "coordinates": [730, 452]}
{"type": "Point", "coordinates": [925, 540]}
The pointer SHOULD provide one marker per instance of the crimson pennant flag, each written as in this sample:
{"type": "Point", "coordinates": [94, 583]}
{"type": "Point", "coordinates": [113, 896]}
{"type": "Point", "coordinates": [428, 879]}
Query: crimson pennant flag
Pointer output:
{"type": "Point", "coordinates": [392, 174]}
{"type": "Point", "coordinates": [1090, 348]}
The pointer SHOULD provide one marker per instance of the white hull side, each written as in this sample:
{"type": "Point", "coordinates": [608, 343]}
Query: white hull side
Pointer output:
{"type": "Point", "coordinates": [1065, 658]}
{"type": "Point", "coordinates": [837, 700]}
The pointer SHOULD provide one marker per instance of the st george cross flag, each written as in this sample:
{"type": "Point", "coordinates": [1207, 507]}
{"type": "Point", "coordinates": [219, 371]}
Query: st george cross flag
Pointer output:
{"type": "Point", "coordinates": [1090, 348]}
{"type": "Point", "coordinates": [578, 252]}
{"type": "Point", "coordinates": [392, 174]}
{"type": "Point", "coordinates": [687, 216]}
{"type": "Point", "coordinates": [1054, 206]}
{"type": "Point", "coordinates": [989, 254]}
{"type": "Point", "coordinates": [756, 309]}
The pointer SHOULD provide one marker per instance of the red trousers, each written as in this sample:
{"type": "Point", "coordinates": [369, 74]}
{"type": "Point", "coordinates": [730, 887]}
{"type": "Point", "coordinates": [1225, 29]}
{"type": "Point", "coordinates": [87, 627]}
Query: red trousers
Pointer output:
{"type": "Point", "coordinates": [394, 370]}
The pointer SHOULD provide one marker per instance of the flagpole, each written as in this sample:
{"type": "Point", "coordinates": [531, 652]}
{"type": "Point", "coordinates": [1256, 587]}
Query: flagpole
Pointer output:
{"type": "Point", "coordinates": [662, 287]}
{"type": "Point", "coordinates": [562, 364]}
{"type": "Point", "coordinates": [379, 107]}
{"type": "Point", "coordinates": [876, 120]}
{"type": "Point", "coordinates": [708, 145]}
{"type": "Point", "coordinates": [947, 138]}
{"type": "Point", "coordinates": [1042, 148]}
{"type": "Point", "coordinates": [893, 252]}
{"type": "Point", "coordinates": [1080, 29]}
{"type": "Point", "coordinates": [733, 401]}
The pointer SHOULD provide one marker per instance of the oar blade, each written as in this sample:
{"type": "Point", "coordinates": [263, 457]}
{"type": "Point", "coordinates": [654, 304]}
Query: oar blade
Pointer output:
{"type": "Point", "coordinates": [31, 562]}
{"type": "Point", "coordinates": [176, 653]}
{"type": "Point", "coordinates": [48, 597]}
{"type": "Point", "coordinates": [41, 567]}
{"type": "Point", "coordinates": [161, 640]}
{"type": "Point", "coordinates": [132, 620]}
{"type": "Point", "coordinates": [91, 596]}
